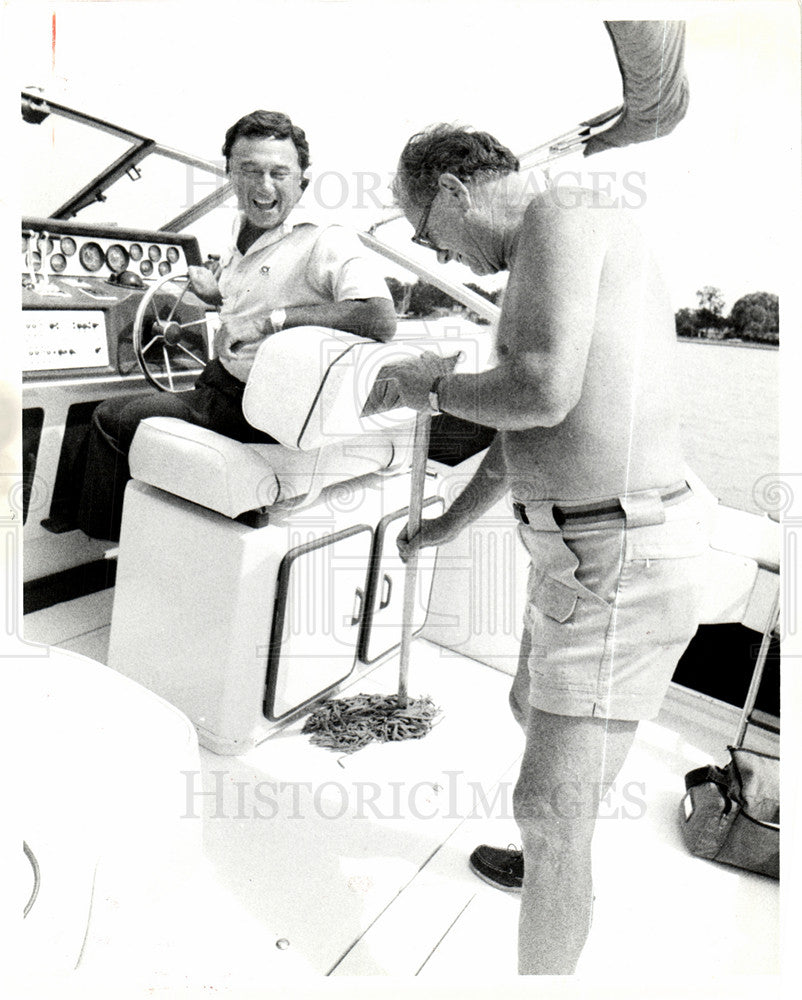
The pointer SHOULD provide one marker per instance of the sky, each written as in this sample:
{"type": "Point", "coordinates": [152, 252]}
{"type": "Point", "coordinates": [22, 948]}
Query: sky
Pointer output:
{"type": "Point", "coordinates": [362, 77]}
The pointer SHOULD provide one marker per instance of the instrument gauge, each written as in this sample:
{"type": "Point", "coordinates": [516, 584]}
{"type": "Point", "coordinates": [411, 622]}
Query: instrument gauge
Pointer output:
{"type": "Point", "coordinates": [68, 247]}
{"type": "Point", "coordinates": [155, 253]}
{"type": "Point", "coordinates": [36, 258]}
{"type": "Point", "coordinates": [164, 268]}
{"type": "Point", "coordinates": [58, 263]}
{"type": "Point", "coordinates": [172, 254]}
{"type": "Point", "coordinates": [146, 267]}
{"type": "Point", "coordinates": [135, 250]}
{"type": "Point", "coordinates": [46, 245]}
{"type": "Point", "coordinates": [91, 257]}
{"type": "Point", "coordinates": [117, 258]}
{"type": "Point", "coordinates": [25, 244]}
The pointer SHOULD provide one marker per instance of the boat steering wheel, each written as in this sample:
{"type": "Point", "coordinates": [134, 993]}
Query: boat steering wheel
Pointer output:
{"type": "Point", "coordinates": [163, 341]}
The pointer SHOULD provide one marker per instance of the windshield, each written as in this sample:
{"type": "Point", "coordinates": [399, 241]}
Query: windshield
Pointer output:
{"type": "Point", "coordinates": [61, 158]}
{"type": "Point", "coordinates": [80, 165]}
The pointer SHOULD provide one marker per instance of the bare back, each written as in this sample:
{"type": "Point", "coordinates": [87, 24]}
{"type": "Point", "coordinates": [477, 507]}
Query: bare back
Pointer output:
{"type": "Point", "coordinates": [622, 434]}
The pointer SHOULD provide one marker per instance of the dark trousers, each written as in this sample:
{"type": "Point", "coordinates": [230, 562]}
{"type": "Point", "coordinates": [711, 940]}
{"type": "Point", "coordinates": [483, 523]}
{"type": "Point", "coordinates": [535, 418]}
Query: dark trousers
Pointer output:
{"type": "Point", "coordinates": [215, 402]}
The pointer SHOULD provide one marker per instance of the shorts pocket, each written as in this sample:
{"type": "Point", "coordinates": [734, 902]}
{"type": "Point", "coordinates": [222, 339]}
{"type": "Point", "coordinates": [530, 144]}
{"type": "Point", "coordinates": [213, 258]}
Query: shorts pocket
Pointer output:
{"type": "Point", "coordinates": [658, 607]}
{"type": "Point", "coordinates": [552, 597]}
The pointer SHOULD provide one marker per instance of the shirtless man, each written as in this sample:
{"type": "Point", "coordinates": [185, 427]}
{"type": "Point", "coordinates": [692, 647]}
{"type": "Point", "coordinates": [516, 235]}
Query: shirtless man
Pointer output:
{"type": "Point", "coordinates": [588, 448]}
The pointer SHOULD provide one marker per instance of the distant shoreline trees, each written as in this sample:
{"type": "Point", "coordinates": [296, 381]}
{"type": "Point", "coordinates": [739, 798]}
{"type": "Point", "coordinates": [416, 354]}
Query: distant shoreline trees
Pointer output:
{"type": "Point", "coordinates": [422, 300]}
{"type": "Point", "coordinates": [755, 318]}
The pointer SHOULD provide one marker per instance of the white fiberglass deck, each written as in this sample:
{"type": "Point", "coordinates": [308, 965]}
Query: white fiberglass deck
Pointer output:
{"type": "Point", "coordinates": [319, 864]}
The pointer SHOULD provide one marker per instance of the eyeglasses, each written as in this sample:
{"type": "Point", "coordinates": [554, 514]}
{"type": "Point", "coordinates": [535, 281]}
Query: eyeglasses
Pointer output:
{"type": "Point", "coordinates": [420, 236]}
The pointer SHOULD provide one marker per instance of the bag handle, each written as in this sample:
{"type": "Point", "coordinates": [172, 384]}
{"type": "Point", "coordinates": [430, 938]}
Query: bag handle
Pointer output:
{"type": "Point", "coordinates": [710, 773]}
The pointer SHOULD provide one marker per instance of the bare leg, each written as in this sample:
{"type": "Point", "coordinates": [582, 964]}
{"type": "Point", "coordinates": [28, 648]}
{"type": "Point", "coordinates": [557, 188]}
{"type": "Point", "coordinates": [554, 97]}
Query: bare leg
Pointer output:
{"type": "Point", "coordinates": [519, 692]}
{"type": "Point", "coordinates": [568, 765]}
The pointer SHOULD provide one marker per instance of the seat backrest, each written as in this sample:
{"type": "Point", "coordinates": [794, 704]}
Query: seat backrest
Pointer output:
{"type": "Point", "coordinates": [309, 385]}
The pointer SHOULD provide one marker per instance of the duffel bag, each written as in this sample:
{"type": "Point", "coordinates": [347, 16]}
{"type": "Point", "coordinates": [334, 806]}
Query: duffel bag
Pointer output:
{"type": "Point", "coordinates": [732, 814]}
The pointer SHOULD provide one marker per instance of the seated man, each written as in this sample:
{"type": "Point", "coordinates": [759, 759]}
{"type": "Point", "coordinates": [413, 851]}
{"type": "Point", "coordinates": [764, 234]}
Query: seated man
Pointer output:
{"type": "Point", "coordinates": [588, 448]}
{"type": "Point", "coordinates": [283, 271]}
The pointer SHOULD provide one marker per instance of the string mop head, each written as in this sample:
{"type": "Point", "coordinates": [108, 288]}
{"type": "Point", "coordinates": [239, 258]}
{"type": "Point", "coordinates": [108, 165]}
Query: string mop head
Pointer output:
{"type": "Point", "coordinates": [348, 724]}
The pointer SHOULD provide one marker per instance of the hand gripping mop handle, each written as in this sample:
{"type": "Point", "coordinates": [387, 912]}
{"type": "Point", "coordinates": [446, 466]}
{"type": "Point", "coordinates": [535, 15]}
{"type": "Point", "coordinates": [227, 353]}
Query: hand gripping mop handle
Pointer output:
{"type": "Point", "coordinates": [420, 452]}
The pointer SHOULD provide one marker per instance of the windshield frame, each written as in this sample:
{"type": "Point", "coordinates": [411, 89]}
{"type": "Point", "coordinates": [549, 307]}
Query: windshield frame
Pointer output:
{"type": "Point", "coordinates": [36, 108]}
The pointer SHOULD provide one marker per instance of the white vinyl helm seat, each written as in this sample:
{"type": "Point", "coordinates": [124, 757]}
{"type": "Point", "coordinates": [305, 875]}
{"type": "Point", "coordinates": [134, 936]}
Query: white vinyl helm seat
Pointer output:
{"type": "Point", "coordinates": [307, 389]}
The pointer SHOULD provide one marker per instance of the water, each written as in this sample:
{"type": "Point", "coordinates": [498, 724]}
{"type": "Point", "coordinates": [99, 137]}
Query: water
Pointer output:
{"type": "Point", "coordinates": [729, 405]}
{"type": "Point", "coordinates": [729, 409]}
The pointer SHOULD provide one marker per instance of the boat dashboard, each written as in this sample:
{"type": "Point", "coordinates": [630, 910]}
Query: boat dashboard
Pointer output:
{"type": "Point", "coordinates": [81, 287]}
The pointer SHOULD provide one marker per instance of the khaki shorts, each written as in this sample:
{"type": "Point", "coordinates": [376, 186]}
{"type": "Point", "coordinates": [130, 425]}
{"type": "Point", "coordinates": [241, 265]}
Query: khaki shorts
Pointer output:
{"type": "Point", "coordinates": [611, 604]}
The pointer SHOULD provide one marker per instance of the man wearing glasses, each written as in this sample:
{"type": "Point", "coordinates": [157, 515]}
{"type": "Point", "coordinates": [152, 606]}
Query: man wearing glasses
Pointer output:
{"type": "Point", "coordinates": [283, 271]}
{"type": "Point", "coordinates": [588, 449]}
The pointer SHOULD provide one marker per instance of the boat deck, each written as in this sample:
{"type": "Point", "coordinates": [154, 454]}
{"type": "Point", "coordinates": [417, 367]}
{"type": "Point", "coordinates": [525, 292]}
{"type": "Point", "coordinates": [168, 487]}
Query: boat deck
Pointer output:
{"type": "Point", "coordinates": [320, 864]}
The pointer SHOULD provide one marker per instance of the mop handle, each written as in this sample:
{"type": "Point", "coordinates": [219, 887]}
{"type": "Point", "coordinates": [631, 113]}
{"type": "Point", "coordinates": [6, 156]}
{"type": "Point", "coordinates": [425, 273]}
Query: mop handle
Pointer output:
{"type": "Point", "coordinates": [420, 452]}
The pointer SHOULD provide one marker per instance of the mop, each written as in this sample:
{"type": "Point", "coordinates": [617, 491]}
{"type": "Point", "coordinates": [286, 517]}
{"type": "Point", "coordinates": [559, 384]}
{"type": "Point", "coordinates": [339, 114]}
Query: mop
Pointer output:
{"type": "Point", "coordinates": [348, 724]}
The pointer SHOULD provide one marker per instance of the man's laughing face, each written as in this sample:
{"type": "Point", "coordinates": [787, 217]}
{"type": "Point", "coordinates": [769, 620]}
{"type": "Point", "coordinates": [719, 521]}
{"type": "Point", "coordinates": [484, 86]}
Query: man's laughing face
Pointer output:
{"type": "Point", "coordinates": [267, 179]}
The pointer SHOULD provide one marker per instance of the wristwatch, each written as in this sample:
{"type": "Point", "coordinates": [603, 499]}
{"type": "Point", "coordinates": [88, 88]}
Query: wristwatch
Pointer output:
{"type": "Point", "coordinates": [434, 400]}
{"type": "Point", "coordinates": [278, 317]}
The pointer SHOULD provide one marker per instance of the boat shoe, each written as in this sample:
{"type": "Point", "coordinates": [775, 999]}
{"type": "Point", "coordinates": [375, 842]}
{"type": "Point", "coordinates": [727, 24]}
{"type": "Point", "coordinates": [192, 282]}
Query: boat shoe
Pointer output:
{"type": "Point", "coordinates": [501, 867]}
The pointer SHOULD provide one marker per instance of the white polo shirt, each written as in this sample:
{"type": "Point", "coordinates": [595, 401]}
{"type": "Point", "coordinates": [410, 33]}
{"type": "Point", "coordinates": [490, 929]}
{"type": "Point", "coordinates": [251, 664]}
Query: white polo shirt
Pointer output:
{"type": "Point", "coordinates": [302, 263]}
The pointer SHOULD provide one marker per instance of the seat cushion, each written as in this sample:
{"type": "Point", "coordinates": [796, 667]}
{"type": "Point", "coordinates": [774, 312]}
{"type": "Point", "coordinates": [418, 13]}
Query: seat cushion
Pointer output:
{"type": "Point", "coordinates": [231, 478]}
{"type": "Point", "coordinates": [202, 466]}
{"type": "Point", "coordinates": [753, 536]}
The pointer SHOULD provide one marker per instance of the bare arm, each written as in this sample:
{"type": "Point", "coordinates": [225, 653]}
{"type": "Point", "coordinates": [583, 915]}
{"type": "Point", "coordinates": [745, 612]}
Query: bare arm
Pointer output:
{"type": "Point", "coordinates": [485, 488]}
{"type": "Point", "coordinates": [373, 318]}
{"type": "Point", "coordinates": [545, 329]}
{"type": "Point", "coordinates": [237, 341]}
